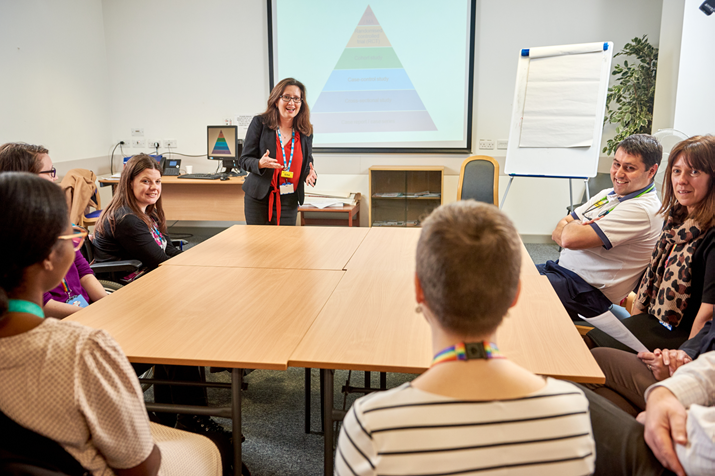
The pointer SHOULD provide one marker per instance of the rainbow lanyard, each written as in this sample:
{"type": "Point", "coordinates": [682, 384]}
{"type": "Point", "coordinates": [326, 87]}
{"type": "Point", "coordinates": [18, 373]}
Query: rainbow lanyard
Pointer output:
{"type": "Point", "coordinates": [66, 288]}
{"type": "Point", "coordinates": [605, 201]}
{"type": "Point", "coordinates": [19, 305]}
{"type": "Point", "coordinates": [468, 351]}
{"type": "Point", "coordinates": [292, 146]}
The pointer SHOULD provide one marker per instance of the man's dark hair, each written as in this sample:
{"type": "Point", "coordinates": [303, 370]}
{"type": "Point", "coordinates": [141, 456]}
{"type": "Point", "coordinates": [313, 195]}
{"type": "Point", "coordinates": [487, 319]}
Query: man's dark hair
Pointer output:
{"type": "Point", "coordinates": [644, 146]}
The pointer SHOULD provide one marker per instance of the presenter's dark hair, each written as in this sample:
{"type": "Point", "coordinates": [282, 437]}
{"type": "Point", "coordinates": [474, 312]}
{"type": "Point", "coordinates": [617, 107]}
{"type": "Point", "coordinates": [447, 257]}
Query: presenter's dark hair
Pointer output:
{"type": "Point", "coordinates": [699, 154]}
{"type": "Point", "coordinates": [33, 214]}
{"type": "Point", "coordinates": [21, 157]}
{"type": "Point", "coordinates": [271, 117]}
{"type": "Point", "coordinates": [644, 146]}
{"type": "Point", "coordinates": [468, 264]}
{"type": "Point", "coordinates": [124, 198]}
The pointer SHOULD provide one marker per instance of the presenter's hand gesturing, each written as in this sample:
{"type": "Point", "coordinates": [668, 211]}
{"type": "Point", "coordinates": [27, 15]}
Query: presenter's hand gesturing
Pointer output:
{"type": "Point", "coordinates": [312, 177]}
{"type": "Point", "coordinates": [267, 163]}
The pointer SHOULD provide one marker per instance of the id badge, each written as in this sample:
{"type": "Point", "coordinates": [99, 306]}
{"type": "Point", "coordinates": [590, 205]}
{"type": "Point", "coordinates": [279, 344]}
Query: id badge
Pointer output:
{"type": "Point", "coordinates": [286, 174]}
{"type": "Point", "coordinates": [286, 188]}
{"type": "Point", "coordinates": [78, 300]}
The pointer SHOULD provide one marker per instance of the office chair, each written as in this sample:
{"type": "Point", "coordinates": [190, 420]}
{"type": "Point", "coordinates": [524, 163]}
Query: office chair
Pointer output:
{"type": "Point", "coordinates": [109, 273]}
{"type": "Point", "coordinates": [479, 179]}
{"type": "Point", "coordinates": [24, 452]}
{"type": "Point", "coordinates": [90, 218]}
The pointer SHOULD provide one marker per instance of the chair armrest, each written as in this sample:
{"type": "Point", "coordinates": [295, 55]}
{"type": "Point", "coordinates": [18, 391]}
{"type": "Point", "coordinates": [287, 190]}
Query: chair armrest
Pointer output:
{"type": "Point", "coordinates": [116, 266]}
{"type": "Point", "coordinates": [179, 243]}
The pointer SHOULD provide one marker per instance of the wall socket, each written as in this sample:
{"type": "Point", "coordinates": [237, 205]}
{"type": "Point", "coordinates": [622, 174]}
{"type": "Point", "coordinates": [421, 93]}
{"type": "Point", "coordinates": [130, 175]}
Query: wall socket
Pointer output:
{"type": "Point", "coordinates": [170, 144]}
{"type": "Point", "coordinates": [486, 144]}
{"type": "Point", "coordinates": [137, 132]}
{"type": "Point", "coordinates": [502, 144]}
{"type": "Point", "coordinates": [139, 143]}
{"type": "Point", "coordinates": [153, 144]}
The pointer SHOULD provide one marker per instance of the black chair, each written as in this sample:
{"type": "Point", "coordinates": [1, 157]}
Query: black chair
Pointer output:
{"type": "Point", "coordinates": [479, 179]}
{"type": "Point", "coordinates": [109, 273]}
{"type": "Point", "coordinates": [26, 453]}
{"type": "Point", "coordinates": [595, 185]}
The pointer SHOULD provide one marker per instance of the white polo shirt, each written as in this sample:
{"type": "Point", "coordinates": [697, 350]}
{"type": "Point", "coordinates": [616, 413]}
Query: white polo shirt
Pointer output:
{"type": "Point", "coordinates": [629, 233]}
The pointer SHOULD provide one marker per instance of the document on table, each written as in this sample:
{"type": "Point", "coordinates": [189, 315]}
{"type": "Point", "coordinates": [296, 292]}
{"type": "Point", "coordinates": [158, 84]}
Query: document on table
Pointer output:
{"type": "Point", "coordinates": [322, 202]}
{"type": "Point", "coordinates": [612, 326]}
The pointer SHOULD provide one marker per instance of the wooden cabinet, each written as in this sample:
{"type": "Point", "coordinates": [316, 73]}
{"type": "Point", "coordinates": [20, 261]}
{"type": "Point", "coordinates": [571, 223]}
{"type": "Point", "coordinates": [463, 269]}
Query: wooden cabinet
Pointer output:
{"type": "Point", "coordinates": [404, 196]}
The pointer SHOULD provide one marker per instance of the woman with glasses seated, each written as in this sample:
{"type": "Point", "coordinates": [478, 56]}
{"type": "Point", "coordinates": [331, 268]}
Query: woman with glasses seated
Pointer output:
{"type": "Point", "coordinates": [62, 380]}
{"type": "Point", "coordinates": [79, 287]}
{"type": "Point", "coordinates": [278, 151]}
{"type": "Point", "coordinates": [133, 225]}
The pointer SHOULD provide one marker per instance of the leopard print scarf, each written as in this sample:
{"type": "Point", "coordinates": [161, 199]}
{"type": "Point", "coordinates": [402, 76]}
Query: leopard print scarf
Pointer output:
{"type": "Point", "coordinates": [666, 286]}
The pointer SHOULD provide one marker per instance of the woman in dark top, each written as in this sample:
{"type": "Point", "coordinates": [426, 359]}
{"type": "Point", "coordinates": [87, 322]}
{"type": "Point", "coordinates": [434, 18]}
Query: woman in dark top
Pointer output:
{"type": "Point", "coordinates": [278, 153]}
{"type": "Point", "coordinates": [133, 225]}
{"type": "Point", "coordinates": [677, 292]}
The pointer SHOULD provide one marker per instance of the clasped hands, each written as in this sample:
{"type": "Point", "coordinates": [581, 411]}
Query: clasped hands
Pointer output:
{"type": "Point", "coordinates": [665, 425]}
{"type": "Point", "coordinates": [267, 162]}
{"type": "Point", "coordinates": [664, 363]}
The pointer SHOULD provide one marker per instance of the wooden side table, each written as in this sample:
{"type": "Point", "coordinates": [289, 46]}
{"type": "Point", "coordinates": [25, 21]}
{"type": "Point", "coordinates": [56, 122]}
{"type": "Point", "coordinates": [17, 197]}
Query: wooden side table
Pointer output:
{"type": "Point", "coordinates": [353, 215]}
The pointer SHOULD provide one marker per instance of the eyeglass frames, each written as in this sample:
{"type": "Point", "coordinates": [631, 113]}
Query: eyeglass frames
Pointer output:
{"type": "Point", "coordinates": [52, 172]}
{"type": "Point", "coordinates": [77, 237]}
{"type": "Point", "coordinates": [289, 99]}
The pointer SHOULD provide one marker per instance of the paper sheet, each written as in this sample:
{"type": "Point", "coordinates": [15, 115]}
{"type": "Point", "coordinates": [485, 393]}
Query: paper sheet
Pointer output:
{"type": "Point", "coordinates": [322, 202]}
{"type": "Point", "coordinates": [612, 326]}
{"type": "Point", "coordinates": [242, 121]}
{"type": "Point", "coordinates": [561, 100]}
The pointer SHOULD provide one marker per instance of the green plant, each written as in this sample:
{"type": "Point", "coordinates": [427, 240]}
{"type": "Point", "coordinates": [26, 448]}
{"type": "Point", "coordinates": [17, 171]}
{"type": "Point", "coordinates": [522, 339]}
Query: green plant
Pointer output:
{"type": "Point", "coordinates": [633, 93]}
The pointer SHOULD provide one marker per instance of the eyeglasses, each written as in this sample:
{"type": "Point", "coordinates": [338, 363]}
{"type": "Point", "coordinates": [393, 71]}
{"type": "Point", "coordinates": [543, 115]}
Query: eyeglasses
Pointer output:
{"type": "Point", "coordinates": [52, 172]}
{"type": "Point", "coordinates": [78, 235]}
{"type": "Point", "coordinates": [289, 99]}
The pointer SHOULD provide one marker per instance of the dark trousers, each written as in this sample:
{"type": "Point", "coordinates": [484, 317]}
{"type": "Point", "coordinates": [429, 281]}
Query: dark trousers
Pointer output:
{"type": "Point", "coordinates": [577, 296]}
{"type": "Point", "coordinates": [620, 445]}
{"type": "Point", "coordinates": [256, 211]}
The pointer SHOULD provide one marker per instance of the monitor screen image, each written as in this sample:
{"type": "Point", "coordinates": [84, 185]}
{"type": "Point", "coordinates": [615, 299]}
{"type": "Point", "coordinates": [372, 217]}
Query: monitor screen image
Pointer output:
{"type": "Point", "coordinates": [221, 142]}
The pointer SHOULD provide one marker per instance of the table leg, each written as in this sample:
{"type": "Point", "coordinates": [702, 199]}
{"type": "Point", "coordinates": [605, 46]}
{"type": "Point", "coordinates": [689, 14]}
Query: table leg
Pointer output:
{"type": "Point", "coordinates": [326, 375]}
{"type": "Point", "coordinates": [307, 399]}
{"type": "Point", "coordinates": [236, 379]}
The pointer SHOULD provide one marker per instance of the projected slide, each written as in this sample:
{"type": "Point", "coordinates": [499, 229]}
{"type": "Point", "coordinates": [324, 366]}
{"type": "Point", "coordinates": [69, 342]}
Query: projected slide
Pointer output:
{"type": "Point", "coordinates": [369, 89]}
{"type": "Point", "coordinates": [391, 75]}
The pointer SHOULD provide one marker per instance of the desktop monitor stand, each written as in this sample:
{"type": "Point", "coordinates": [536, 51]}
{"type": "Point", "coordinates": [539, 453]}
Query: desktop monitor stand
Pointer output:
{"type": "Point", "coordinates": [234, 172]}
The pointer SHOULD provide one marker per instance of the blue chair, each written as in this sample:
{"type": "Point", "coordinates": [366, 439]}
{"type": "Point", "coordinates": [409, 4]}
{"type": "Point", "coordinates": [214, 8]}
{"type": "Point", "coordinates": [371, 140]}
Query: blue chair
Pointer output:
{"type": "Point", "coordinates": [479, 179]}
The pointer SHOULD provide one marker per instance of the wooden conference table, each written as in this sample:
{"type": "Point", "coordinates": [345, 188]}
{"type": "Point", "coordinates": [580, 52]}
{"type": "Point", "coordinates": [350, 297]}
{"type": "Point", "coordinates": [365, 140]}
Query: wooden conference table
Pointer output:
{"type": "Point", "coordinates": [194, 199]}
{"type": "Point", "coordinates": [350, 292]}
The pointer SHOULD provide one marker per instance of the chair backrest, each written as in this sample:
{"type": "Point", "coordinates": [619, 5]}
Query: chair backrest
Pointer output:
{"type": "Point", "coordinates": [24, 452]}
{"type": "Point", "coordinates": [479, 179]}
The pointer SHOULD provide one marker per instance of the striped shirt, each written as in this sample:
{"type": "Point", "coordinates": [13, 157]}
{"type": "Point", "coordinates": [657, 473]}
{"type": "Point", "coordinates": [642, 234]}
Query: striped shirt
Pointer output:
{"type": "Point", "coordinates": [406, 431]}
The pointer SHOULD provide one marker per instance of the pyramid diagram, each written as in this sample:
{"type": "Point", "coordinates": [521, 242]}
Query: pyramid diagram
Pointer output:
{"type": "Point", "coordinates": [369, 90]}
{"type": "Point", "coordinates": [221, 146]}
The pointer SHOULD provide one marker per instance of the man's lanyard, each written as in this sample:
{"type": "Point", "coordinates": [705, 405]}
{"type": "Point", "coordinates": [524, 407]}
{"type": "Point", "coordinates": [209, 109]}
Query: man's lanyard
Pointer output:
{"type": "Point", "coordinates": [605, 201]}
{"type": "Point", "coordinates": [19, 305]}
{"type": "Point", "coordinates": [292, 147]}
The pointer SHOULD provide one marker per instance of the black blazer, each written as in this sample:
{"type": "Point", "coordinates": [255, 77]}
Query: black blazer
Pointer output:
{"type": "Point", "coordinates": [258, 139]}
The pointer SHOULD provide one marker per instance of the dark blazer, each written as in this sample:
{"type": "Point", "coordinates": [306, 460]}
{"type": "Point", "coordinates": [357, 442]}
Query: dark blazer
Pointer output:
{"type": "Point", "coordinates": [259, 138]}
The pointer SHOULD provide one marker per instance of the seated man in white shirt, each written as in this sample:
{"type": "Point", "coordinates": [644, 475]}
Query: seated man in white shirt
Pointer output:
{"type": "Point", "coordinates": [608, 241]}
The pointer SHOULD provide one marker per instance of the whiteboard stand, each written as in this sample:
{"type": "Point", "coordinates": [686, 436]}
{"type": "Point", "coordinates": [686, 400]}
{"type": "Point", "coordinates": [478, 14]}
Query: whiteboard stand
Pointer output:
{"type": "Point", "coordinates": [548, 137]}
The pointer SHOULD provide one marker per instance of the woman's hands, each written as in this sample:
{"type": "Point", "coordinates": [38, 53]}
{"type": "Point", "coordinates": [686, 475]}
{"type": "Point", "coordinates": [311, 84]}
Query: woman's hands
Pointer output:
{"type": "Point", "coordinates": [663, 363]}
{"type": "Point", "coordinates": [312, 176]}
{"type": "Point", "coordinates": [267, 163]}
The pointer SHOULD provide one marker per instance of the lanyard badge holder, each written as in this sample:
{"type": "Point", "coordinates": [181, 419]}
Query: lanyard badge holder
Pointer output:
{"type": "Point", "coordinates": [286, 187]}
{"type": "Point", "coordinates": [77, 300]}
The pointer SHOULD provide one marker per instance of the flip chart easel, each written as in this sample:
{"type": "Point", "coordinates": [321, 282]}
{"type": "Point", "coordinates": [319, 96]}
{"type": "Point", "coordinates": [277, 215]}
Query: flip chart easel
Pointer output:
{"type": "Point", "coordinates": [557, 116]}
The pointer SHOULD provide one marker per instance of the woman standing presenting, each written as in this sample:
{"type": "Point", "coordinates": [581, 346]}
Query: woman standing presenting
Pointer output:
{"type": "Point", "coordinates": [278, 151]}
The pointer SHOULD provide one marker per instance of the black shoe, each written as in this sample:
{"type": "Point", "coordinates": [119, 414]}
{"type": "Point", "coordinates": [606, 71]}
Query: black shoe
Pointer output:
{"type": "Point", "coordinates": [205, 426]}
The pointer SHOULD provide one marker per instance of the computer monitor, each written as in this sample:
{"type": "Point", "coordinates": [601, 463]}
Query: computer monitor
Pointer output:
{"type": "Point", "coordinates": [223, 145]}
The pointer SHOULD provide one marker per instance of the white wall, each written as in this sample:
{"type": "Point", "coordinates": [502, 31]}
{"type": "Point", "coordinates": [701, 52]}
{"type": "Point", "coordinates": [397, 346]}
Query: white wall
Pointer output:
{"type": "Point", "coordinates": [53, 77]}
{"type": "Point", "coordinates": [695, 99]}
{"type": "Point", "coordinates": [172, 67]}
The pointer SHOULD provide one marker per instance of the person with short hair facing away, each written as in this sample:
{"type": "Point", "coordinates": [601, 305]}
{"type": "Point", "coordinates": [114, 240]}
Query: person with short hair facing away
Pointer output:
{"type": "Point", "coordinates": [133, 225]}
{"type": "Point", "coordinates": [278, 153]}
{"type": "Point", "coordinates": [60, 379]}
{"type": "Point", "coordinates": [473, 410]}
{"type": "Point", "coordinates": [607, 241]}
{"type": "Point", "coordinates": [79, 287]}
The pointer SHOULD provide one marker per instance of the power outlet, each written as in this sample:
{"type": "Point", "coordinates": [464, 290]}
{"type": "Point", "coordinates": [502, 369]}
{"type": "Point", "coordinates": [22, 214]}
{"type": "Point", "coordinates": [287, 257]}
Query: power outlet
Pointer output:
{"type": "Point", "coordinates": [170, 144]}
{"type": "Point", "coordinates": [139, 143]}
{"type": "Point", "coordinates": [502, 144]}
{"type": "Point", "coordinates": [137, 132]}
{"type": "Point", "coordinates": [153, 144]}
{"type": "Point", "coordinates": [486, 144]}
